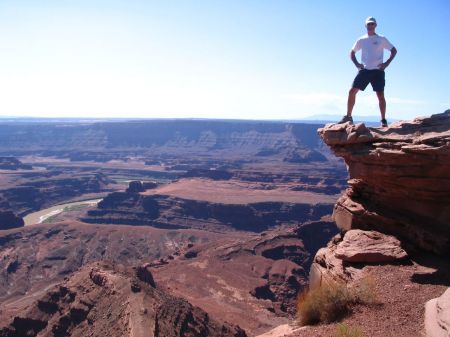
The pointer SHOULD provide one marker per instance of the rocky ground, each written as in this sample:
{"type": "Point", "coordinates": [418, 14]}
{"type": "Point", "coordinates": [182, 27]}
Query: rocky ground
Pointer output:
{"type": "Point", "coordinates": [401, 291]}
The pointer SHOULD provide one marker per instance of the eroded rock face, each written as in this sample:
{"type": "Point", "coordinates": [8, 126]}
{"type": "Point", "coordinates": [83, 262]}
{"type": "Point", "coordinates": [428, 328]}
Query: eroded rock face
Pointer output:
{"type": "Point", "coordinates": [400, 179]}
{"type": "Point", "coordinates": [165, 211]}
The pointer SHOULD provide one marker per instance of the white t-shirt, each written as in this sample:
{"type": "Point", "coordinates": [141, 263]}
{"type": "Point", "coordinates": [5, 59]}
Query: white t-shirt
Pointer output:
{"type": "Point", "coordinates": [372, 48]}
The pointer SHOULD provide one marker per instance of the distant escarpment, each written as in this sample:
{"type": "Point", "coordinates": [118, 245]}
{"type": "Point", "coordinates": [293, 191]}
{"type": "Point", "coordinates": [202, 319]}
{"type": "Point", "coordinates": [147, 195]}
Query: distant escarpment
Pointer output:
{"type": "Point", "coordinates": [399, 179]}
{"type": "Point", "coordinates": [165, 211]}
{"type": "Point", "coordinates": [11, 163]}
{"type": "Point", "coordinates": [104, 141]}
{"type": "Point", "coordinates": [105, 300]}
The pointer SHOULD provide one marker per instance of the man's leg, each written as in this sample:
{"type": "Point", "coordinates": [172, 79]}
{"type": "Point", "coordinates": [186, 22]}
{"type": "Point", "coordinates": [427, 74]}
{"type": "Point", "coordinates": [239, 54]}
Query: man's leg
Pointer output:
{"type": "Point", "coordinates": [351, 100]}
{"type": "Point", "coordinates": [382, 103]}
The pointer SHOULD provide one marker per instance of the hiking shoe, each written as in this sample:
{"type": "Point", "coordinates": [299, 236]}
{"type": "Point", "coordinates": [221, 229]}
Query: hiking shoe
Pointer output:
{"type": "Point", "coordinates": [384, 123]}
{"type": "Point", "coordinates": [346, 119]}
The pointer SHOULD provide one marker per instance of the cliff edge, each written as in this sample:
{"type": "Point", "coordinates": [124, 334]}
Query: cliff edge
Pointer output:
{"type": "Point", "coordinates": [399, 179]}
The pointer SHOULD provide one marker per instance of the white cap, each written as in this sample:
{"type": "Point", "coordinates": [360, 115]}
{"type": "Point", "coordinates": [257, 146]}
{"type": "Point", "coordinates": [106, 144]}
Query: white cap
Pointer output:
{"type": "Point", "coordinates": [371, 19]}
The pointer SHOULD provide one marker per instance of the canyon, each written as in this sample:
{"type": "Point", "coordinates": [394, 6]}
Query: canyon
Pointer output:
{"type": "Point", "coordinates": [226, 221]}
{"type": "Point", "coordinates": [226, 215]}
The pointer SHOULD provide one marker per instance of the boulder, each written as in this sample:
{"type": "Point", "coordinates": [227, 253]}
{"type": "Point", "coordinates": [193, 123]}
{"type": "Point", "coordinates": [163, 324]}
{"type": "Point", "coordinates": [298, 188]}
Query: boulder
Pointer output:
{"type": "Point", "coordinates": [339, 134]}
{"type": "Point", "coordinates": [327, 268]}
{"type": "Point", "coordinates": [437, 316]}
{"type": "Point", "coordinates": [369, 247]}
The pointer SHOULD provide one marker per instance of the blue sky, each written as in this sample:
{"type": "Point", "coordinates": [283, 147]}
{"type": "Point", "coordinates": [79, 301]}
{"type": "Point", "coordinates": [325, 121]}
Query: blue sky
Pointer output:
{"type": "Point", "coordinates": [254, 59]}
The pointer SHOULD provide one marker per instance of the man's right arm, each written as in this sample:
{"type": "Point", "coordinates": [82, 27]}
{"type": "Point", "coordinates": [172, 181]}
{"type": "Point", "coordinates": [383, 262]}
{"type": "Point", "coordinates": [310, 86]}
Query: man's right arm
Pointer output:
{"type": "Point", "coordinates": [355, 61]}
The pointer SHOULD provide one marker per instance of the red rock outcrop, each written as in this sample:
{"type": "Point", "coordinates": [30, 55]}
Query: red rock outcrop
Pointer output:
{"type": "Point", "coordinates": [338, 262]}
{"type": "Point", "coordinates": [399, 179]}
{"type": "Point", "coordinates": [369, 246]}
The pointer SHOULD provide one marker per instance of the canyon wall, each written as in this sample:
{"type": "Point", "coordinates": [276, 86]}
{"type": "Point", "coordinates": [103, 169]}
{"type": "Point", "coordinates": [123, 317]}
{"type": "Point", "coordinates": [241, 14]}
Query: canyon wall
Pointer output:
{"type": "Point", "coordinates": [170, 212]}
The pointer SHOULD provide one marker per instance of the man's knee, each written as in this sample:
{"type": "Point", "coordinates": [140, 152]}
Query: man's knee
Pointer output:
{"type": "Point", "coordinates": [353, 91]}
{"type": "Point", "coordinates": [380, 94]}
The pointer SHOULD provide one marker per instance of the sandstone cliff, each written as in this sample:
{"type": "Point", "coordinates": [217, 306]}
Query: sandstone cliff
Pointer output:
{"type": "Point", "coordinates": [399, 179]}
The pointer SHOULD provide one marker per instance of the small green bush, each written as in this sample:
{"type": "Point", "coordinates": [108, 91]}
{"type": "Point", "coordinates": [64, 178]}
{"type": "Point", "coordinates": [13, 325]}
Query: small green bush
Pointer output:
{"type": "Point", "coordinates": [333, 301]}
{"type": "Point", "coordinates": [343, 330]}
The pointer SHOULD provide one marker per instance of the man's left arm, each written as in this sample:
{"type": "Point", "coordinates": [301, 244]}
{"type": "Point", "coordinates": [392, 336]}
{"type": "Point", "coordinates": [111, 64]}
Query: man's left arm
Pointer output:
{"type": "Point", "coordinates": [384, 65]}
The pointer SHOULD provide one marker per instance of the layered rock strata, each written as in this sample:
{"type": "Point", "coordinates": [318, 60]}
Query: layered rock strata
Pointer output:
{"type": "Point", "coordinates": [399, 179]}
{"type": "Point", "coordinates": [165, 211]}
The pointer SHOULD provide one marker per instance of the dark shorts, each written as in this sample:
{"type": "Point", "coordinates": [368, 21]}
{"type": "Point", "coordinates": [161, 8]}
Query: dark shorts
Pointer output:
{"type": "Point", "coordinates": [375, 77]}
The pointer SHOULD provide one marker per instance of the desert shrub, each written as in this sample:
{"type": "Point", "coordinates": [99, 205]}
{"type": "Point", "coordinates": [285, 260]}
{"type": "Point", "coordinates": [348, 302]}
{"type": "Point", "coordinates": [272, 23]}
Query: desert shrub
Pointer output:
{"type": "Point", "coordinates": [325, 303]}
{"type": "Point", "coordinates": [332, 301]}
{"type": "Point", "coordinates": [343, 330]}
{"type": "Point", "coordinates": [364, 292]}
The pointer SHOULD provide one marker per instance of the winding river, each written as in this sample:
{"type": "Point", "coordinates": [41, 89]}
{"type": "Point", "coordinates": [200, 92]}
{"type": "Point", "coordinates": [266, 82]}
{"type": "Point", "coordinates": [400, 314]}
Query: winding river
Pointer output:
{"type": "Point", "coordinates": [42, 215]}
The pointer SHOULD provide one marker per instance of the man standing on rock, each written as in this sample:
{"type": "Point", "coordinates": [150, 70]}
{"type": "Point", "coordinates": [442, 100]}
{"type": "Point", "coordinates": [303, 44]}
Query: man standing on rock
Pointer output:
{"type": "Point", "coordinates": [371, 68]}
